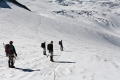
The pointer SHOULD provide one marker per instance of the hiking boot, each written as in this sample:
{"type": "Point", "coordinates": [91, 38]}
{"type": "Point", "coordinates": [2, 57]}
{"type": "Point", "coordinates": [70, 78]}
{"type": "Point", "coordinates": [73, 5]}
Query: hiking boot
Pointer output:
{"type": "Point", "coordinates": [9, 64]}
{"type": "Point", "coordinates": [12, 65]}
{"type": "Point", "coordinates": [51, 58]}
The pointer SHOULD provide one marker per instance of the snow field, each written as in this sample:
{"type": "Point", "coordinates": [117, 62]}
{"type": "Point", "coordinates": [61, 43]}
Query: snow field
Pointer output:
{"type": "Point", "coordinates": [90, 34]}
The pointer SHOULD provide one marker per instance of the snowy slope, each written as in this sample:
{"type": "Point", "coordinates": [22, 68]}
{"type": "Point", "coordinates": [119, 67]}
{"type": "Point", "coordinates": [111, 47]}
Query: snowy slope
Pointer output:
{"type": "Point", "coordinates": [90, 34]}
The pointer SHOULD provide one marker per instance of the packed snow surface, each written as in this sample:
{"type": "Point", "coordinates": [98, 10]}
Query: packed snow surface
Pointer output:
{"type": "Point", "coordinates": [90, 30]}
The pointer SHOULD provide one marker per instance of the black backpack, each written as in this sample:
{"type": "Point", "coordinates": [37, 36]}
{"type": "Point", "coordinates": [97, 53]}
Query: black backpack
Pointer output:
{"type": "Point", "coordinates": [48, 47]}
{"type": "Point", "coordinates": [42, 44]}
{"type": "Point", "coordinates": [59, 42]}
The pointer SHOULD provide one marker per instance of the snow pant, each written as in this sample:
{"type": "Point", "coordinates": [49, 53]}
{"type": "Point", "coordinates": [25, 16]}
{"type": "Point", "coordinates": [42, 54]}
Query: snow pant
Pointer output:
{"type": "Point", "coordinates": [11, 60]}
{"type": "Point", "coordinates": [61, 48]}
{"type": "Point", "coordinates": [44, 51]}
{"type": "Point", "coordinates": [51, 55]}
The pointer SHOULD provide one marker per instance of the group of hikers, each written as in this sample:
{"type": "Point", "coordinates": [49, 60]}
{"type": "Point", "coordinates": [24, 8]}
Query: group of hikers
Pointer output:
{"type": "Point", "coordinates": [11, 52]}
{"type": "Point", "coordinates": [50, 48]}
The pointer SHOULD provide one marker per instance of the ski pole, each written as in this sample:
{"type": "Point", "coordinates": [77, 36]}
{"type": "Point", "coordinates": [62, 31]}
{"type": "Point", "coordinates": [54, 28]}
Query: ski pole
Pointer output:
{"type": "Point", "coordinates": [20, 62]}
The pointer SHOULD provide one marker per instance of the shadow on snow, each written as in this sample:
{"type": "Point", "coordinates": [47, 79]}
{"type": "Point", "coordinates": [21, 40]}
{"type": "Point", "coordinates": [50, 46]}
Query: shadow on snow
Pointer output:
{"type": "Point", "coordinates": [27, 70]}
{"type": "Point", "coordinates": [64, 62]}
{"type": "Point", "coordinates": [3, 4]}
{"type": "Point", "coordinates": [55, 55]}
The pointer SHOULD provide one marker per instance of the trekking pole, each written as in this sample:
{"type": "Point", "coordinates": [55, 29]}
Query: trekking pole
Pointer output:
{"type": "Point", "coordinates": [20, 62]}
{"type": "Point", "coordinates": [54, 72]}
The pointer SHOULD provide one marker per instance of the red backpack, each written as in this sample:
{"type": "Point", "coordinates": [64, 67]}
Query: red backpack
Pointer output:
{"type": "Point", "coordinates": [7, 49]}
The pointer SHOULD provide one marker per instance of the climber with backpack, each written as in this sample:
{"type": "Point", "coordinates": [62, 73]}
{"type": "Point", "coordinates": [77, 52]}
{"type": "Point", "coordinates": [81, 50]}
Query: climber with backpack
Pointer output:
{"type": "Point", "coordinates": [44, 48]}
{"type": "Point", "coordinates": [61, 45]}
{"type": "Point", "coordinates": [11, 53]}
{"type": "Point", "coordinates": [50, 49]}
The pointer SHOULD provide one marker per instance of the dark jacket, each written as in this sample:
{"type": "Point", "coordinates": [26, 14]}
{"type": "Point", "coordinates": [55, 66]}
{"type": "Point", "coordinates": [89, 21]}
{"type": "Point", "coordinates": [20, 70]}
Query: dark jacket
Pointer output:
{"type": "Point", "coordinates": [12, 49]}
{"type": "Point", "coordinates": [43, 45]}
{"type": "Point", "coordinates": [61, 43]}
{"type": "Point", "coordinates": [51, 47]}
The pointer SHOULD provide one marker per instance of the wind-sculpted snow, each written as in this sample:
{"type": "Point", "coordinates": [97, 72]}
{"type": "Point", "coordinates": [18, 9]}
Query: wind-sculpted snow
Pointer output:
{"type": "Point", "coordinates": [112, 5]}
{"type": "Point", "coordinates": [67, 3]}
{"type": "Point", "coordinates": [76, 13]}
{"type": "Point", "coordinates": [64, 13]}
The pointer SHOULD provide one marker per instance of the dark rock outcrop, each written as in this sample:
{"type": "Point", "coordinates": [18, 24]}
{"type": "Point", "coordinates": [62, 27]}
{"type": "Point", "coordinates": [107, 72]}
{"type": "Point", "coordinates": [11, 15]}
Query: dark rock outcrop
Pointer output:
{"type": "Point", "coordinates": [19, 4]}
